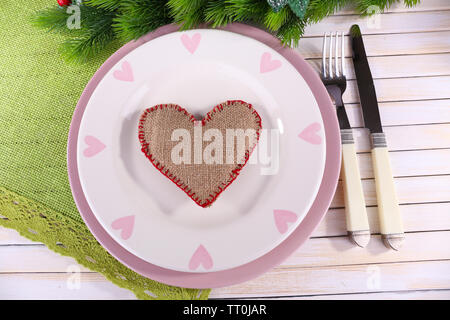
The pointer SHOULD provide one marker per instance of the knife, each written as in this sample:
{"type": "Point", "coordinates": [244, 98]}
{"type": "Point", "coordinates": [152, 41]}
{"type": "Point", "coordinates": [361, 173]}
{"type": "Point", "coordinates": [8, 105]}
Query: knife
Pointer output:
{"type": "Point", "coordinates": [391, 226]}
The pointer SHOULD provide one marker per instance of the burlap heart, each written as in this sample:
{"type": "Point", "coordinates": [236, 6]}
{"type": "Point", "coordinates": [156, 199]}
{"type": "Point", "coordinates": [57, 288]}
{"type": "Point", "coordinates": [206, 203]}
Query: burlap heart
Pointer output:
{"type": "Point", "coordinates": [202, 157]}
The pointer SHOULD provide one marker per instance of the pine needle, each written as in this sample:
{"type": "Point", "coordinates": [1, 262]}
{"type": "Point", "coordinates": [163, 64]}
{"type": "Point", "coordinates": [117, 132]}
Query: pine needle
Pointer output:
{"type": "Point", "coordinates": [217, 13]}
{"type": "Point", "coordinates": [275, 20]}
{"type": "Point", "coordinates": [138, 17]}
{"type": "Point", "coordinates": [102, 21]}
{"type": "Point", "coordinates": [109, 5]}
{"type": "Point", "coordinates": [53, 19]}
{"type": "Point", "coordinates": [319, 9]}
{"type": "Point", "coordinates": [366, 7]}
{"type": "Point", "coordinates": [187, 13]}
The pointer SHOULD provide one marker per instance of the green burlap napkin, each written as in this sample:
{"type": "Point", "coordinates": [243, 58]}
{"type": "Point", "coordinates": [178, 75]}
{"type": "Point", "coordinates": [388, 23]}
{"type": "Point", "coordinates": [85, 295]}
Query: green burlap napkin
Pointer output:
{"type": "Point", "coordinates": [38, 94]}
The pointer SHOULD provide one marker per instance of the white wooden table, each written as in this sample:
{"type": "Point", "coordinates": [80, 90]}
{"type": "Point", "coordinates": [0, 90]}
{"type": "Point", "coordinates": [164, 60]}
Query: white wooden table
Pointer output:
{"type": "Point", "coordinates": [409, 51]}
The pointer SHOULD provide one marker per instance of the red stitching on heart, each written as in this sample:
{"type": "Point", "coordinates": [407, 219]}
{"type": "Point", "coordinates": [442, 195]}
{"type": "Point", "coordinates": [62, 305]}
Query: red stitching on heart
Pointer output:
{"type": "Point", "coordinates": [183, 186]}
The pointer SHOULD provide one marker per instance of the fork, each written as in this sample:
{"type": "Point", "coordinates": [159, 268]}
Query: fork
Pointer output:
{"type": "Point", "coordinates": [335, 81]}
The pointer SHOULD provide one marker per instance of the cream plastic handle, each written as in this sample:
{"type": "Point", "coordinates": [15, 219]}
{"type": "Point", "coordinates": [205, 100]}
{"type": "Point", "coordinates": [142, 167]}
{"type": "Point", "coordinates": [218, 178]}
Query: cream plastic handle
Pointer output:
{"type": "Point", "coordinates": [388, 208]}
{"type": "Point", "coordinates": [355, 206]}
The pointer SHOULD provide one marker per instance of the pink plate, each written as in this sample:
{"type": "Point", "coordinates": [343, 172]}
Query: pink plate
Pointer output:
{"type": "Point", "coordinates": [267, 261]}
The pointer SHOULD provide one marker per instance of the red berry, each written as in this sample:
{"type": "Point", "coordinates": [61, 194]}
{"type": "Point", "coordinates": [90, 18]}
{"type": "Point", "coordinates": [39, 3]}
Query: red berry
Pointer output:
{"type": "Point", "coordinates": [64, 3]}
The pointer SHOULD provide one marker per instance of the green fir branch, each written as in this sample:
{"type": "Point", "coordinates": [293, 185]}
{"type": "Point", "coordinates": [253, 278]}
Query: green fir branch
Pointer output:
{"type": "Point", "coordinates": [248, 10]}
{"type": "Point", "coordinates": [217, 13]}
{"type": "Point", "coordinates": [291, 32]}
{"type": "Point", "coordinates": [273, 21]}
{"type": "Point", "coordinates": [138, 17]}
{"type": "Point", "coordinates": [319, 9]}
{"type": "Point", "coordinates": [102, 21]}
{"type": "Point", "coordinates": [188, 13]}
{"type": "Point", "coordinates": [366, 7]}
{"type": "Point", "coordinates": [109, 5]}
{"type": "Point", "coordinates": [52, 19]}
{"type": "Point", "coordinates": [94, 34]}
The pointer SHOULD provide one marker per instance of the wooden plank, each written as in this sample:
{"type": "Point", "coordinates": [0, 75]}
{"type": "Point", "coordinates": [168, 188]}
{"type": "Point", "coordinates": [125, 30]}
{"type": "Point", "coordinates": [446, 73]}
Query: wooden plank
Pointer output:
{"type": "Point", "coordinates": [399, 295]}
{"type": "Point", "coordinates": [409, 190]}
{"type": "Point", "coordinates": [420, 246]}
{"type": "Point", "coordinates": [385, 44]}
{"type": "Point", "coordinates": [35, 258]}
{"type": "Point", "coordinates": [11, 236]}
{"type": "Point", "coordinates": [60, 286]}
{"type": "Point", "coordinates": [427, 5]}
{"type": "Point", "coordinates": [404, 113]}
{"type": "Point", "coordinates": [403, 89]}
{"type": "Point", "coordinates": [410, 163]}
{"type": "Point", "coordinates": [415, 217]}
{"type": "Point", "coordinates": [343, 280]}
{"type": "Point", "coordinates": [316, 252]}
{"type": "Point", "coordinates": [384, 23]}
{"type": "Point", "coordinates": [398, 277]}
{"type": "Point", "coordinates": [432, 136]}
{"type": "Point", "coordinates": [421, 65]}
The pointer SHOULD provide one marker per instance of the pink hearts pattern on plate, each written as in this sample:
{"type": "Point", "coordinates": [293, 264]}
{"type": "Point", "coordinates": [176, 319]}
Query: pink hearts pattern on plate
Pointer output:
{"type": "Point", "coordinates": [191, 43]}
{"type": "Point", "coordinates": [94, 146]}
{"type": "Point", "coordinates": [126, 225]}
{"type": "Point", "coordinates": [200, 257]}
{"type": "Point", "coordinates": [283, 218]}
{"type": "Point", "coordinates": [309, 134]}
{"type": "Point", "coordinates": [124, 74]}
{"type": "Point", "coordinates": [268, 64]}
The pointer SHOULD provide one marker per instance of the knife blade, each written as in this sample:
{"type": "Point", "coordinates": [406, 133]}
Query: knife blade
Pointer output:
{"type": "Point", "coordinates": [366, 87]}
{"type": "Point", "coordinates": [391, 226]}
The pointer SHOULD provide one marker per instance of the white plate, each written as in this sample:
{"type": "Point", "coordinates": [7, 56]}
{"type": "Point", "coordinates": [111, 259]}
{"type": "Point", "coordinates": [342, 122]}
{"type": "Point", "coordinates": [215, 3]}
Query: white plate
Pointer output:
{"type": "Point", "coordinates": [148, 214]}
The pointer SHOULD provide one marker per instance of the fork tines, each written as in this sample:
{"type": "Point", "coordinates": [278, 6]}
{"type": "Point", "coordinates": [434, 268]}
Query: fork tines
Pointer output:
{"type": "Point", "coordinates": [327, 64]}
